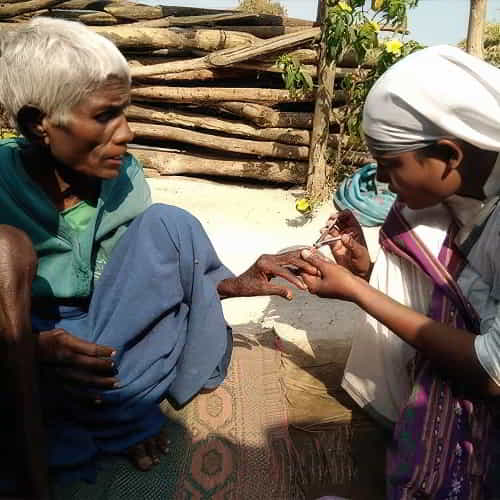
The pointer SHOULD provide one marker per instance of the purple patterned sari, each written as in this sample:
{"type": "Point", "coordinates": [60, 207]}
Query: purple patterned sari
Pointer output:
{"type": "Point", "coordinates": [444, 445]}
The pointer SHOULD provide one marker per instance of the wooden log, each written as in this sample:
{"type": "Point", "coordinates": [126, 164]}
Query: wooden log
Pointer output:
{"type": "Point", "coordinates": [127, 37]}
{"type": "Point", "coordinates": [18, 8]}
{"type": "Point", "coordinates": [150, 172]}
{"type": "Point", "coordinates": [227, 57]}
{"type": "Point", "coordinates": [134, 11]}
{"type": "Point", "coordinates": [310, 56]}
{"type": "Point", "coordinates": [170, 67]}
{"type": "Point", "coordinates": [317, 174]}
{"type": "Point", "coordinates": [86, 4]}
{"type": "Point", "coordinates": [272, 20]}
{"type": "Point", "coordinates": [226, 126]}
{"type": "Point", "coordinates": [96, 18]}
{"type": "Point", "coordinates": [475, 33]}
{"type": "Point", "coordinates": [263, 32]}
{"type": "Point", "coordinates": [250, 66]}
{"type": "Point", "coordinates": [175, 163]}
{"type": "Point", "coordinates": [267, 149]}
{"type": "Point", "coordinates": [197, 95]}
{"type": "Point", "coordinates": [167, 22]}
{"type": "Point", "coordinates": [263, 47]}
{"type": "Point", "coordinates": [264, 116]}
{"type": "Point", "coordinates": [137, 12]}
{"type": "Point", "coordinates": [24, 18]}
{"type": "Point", "coordinates": [200, 75]}
{"type": "Point", "coordinates": [171, 52]}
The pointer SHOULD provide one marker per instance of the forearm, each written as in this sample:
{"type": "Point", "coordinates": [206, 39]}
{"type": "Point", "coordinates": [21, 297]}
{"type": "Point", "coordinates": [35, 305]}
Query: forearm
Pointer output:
{"type": "Point", "coordinates": [451, 349]}
{"type": "Point", "coordinates": [227, 288]}
{"type": "Point", "coordinates": [30, 433]}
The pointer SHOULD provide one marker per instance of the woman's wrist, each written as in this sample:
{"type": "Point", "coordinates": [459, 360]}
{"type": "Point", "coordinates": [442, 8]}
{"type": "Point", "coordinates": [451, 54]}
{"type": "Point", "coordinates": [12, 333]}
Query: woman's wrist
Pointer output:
{"type": "Point", "coordinates": [360, 289]}
{"type": "Point", "coordinates": [227, 288]}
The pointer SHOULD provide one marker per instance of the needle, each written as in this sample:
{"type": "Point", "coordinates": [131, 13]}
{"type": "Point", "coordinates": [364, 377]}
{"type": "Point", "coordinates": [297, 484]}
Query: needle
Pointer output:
{"type": "Point", "coordinates": [326, 241]}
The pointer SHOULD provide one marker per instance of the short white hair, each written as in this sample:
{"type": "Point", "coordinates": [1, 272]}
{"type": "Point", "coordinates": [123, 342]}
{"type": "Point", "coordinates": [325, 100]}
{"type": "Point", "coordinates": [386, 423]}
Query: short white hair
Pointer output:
{"type": "Point", "coordinates": [52, 64]}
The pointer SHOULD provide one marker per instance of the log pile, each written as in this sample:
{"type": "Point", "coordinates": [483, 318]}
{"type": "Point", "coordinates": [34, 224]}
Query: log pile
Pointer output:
{"type": "Point", "coordinates": [208, 97]}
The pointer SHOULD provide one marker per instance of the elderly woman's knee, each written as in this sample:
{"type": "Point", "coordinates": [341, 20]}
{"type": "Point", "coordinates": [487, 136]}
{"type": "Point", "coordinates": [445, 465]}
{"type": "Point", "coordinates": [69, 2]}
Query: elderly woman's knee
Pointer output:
{"type": "Point", "coordinates": [17, 255]}
{"type": "Point", "coordinates": [173, 216]}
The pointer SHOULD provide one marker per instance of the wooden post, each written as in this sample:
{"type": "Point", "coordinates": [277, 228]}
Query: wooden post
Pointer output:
{"type": "Point", "coordinates": [317, 173]}
{"type": "Point", "coordinates": [477, 19]}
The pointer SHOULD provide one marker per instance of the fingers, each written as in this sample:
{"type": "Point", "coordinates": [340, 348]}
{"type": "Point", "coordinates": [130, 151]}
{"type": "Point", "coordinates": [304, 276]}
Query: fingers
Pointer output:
{"type": "Point", "coordinates": [87, 379]}
{"type": "Point", "coordinates": [316, 259]}
{"type": "Point", "coordinates": [90, 349]}
{"type": "Point", "coordinates": [290, 277]}
{"type": "Point", "coordinates": [281, 291]}
{"type": "Point", "coordinates": [312, 283]}
{"type": "Point", "coordinates": [294, 259]}
{"type": "Point", "coordinates": [85, 397]}
{"type": "Point", "coordinates": [97, 366]}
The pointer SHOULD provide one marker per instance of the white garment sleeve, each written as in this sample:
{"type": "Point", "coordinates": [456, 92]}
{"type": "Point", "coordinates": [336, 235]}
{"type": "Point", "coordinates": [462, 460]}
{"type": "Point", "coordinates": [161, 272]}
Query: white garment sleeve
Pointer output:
{"type": "Point", "coordinates": [487, 348]}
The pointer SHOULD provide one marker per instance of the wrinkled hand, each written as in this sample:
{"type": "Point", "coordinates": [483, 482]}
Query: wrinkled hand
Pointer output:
{"type": "Point", "coordinates": [257, 279]}
{"type": "Point", "coordinates": [333, 281]}
{"type": "Point", "coordinates": [77, 362]}
{"type": "Point", "coordinates": [351, 251]}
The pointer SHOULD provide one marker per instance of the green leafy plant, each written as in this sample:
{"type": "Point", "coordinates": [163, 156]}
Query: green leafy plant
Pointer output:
{"type": "Point", "coordinates": [359, 83]}
{"type": "Point", "coordinates": [354, 28]}
{"type": "Point", "coordinates": [297, 80]}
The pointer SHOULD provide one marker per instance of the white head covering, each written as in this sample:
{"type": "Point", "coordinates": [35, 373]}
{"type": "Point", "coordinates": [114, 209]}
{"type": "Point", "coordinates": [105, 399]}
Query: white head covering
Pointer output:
{"type": "Point", "coordinates": [434, 93]}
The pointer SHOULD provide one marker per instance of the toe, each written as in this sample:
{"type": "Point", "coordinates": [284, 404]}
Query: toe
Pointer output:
{"type": "Point", "coordinates": [139, 457]}
{"type": "Point", "coordinates": [162, 442]}
{"type": "Point", "coordinates": [152, 450]}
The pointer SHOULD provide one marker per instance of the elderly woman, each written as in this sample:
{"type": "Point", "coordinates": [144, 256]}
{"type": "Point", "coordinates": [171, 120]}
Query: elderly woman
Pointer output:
{"type": "Point", "coordinates": [433, 124]}
{"type": "Point", "coordinates": [117, 301]}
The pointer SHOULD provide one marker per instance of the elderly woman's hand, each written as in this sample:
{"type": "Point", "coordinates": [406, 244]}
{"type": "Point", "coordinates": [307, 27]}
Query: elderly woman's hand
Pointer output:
{"type": "Point", "coordinates": [351, 251]}
{"type": "Point", "coordinates": [80, 364]}
{"type": "Point", "coordinates": [257, 279]}
{"type": "Point", "coordinates": [332, 280]}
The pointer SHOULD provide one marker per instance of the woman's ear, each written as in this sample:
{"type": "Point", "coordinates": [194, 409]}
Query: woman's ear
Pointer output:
{"type": "Point", "coordinates": [33, 124]}
{"type": "Point", "coordinates": [453, 153]}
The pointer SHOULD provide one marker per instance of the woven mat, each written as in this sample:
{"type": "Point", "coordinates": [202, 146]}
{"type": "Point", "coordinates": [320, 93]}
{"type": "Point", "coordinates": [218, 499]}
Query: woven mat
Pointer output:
{"type": "Point", "coordinates": [232, 443]}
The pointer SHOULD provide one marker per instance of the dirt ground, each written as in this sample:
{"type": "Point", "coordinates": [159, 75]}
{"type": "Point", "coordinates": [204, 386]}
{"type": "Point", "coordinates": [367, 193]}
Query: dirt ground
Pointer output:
{"type": "Point", "coordinates": [244, 221]}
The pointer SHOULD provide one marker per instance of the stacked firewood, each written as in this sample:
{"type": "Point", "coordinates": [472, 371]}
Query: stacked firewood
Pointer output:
{"type": "Point", "coordinates": [208, 96]}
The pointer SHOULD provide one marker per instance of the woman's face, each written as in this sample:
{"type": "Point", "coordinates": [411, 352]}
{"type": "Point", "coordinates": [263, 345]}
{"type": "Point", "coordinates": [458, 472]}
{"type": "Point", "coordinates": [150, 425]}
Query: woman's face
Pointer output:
{"type": "Point", "coordinates": [418, 181]}
{"type": "Point", "coordinates": [95, 139]}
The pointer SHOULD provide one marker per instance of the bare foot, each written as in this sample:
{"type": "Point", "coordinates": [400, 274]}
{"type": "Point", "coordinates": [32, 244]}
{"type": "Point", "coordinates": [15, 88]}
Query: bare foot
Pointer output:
{"type": "Point", "coordinates": [146, 454]}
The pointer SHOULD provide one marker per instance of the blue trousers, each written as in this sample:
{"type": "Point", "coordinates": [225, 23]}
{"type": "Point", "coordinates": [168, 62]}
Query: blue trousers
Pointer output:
{"type": "Point", "coordinates": [157, 304]}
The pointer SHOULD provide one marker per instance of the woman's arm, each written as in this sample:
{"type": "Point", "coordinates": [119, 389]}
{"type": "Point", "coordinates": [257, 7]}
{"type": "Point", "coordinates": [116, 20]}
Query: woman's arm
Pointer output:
{"type": "Point", "coordinates": [449, 348]}
{"type": "Point", "coordinates": [17, 268]}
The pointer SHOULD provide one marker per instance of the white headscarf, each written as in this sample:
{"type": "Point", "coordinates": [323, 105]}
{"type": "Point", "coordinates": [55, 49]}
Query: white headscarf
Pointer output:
{"type": "Point", "coordinates": [434, 93]}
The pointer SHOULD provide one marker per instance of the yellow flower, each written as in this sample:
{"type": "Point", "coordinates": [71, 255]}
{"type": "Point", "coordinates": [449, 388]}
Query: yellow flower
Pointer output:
{"type": "Point", "coordinates": [344, 6]}
{"type": "Point", "coordinates": [7, 135]}
{"type": "Point", "coordinates": [303, 206]}
{"type": "Point", "coordinates": [375, 26]}
{"type": "Point", "coordinates": [377, 4]}
{"type": "Point", "coordinates": [393, 47]}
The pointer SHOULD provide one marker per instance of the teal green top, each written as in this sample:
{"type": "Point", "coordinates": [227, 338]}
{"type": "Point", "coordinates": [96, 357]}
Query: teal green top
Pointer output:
{"type": "Point", "coordinates": [69, 259]}
{"type": "Point", "coordinates": [79, 216]}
